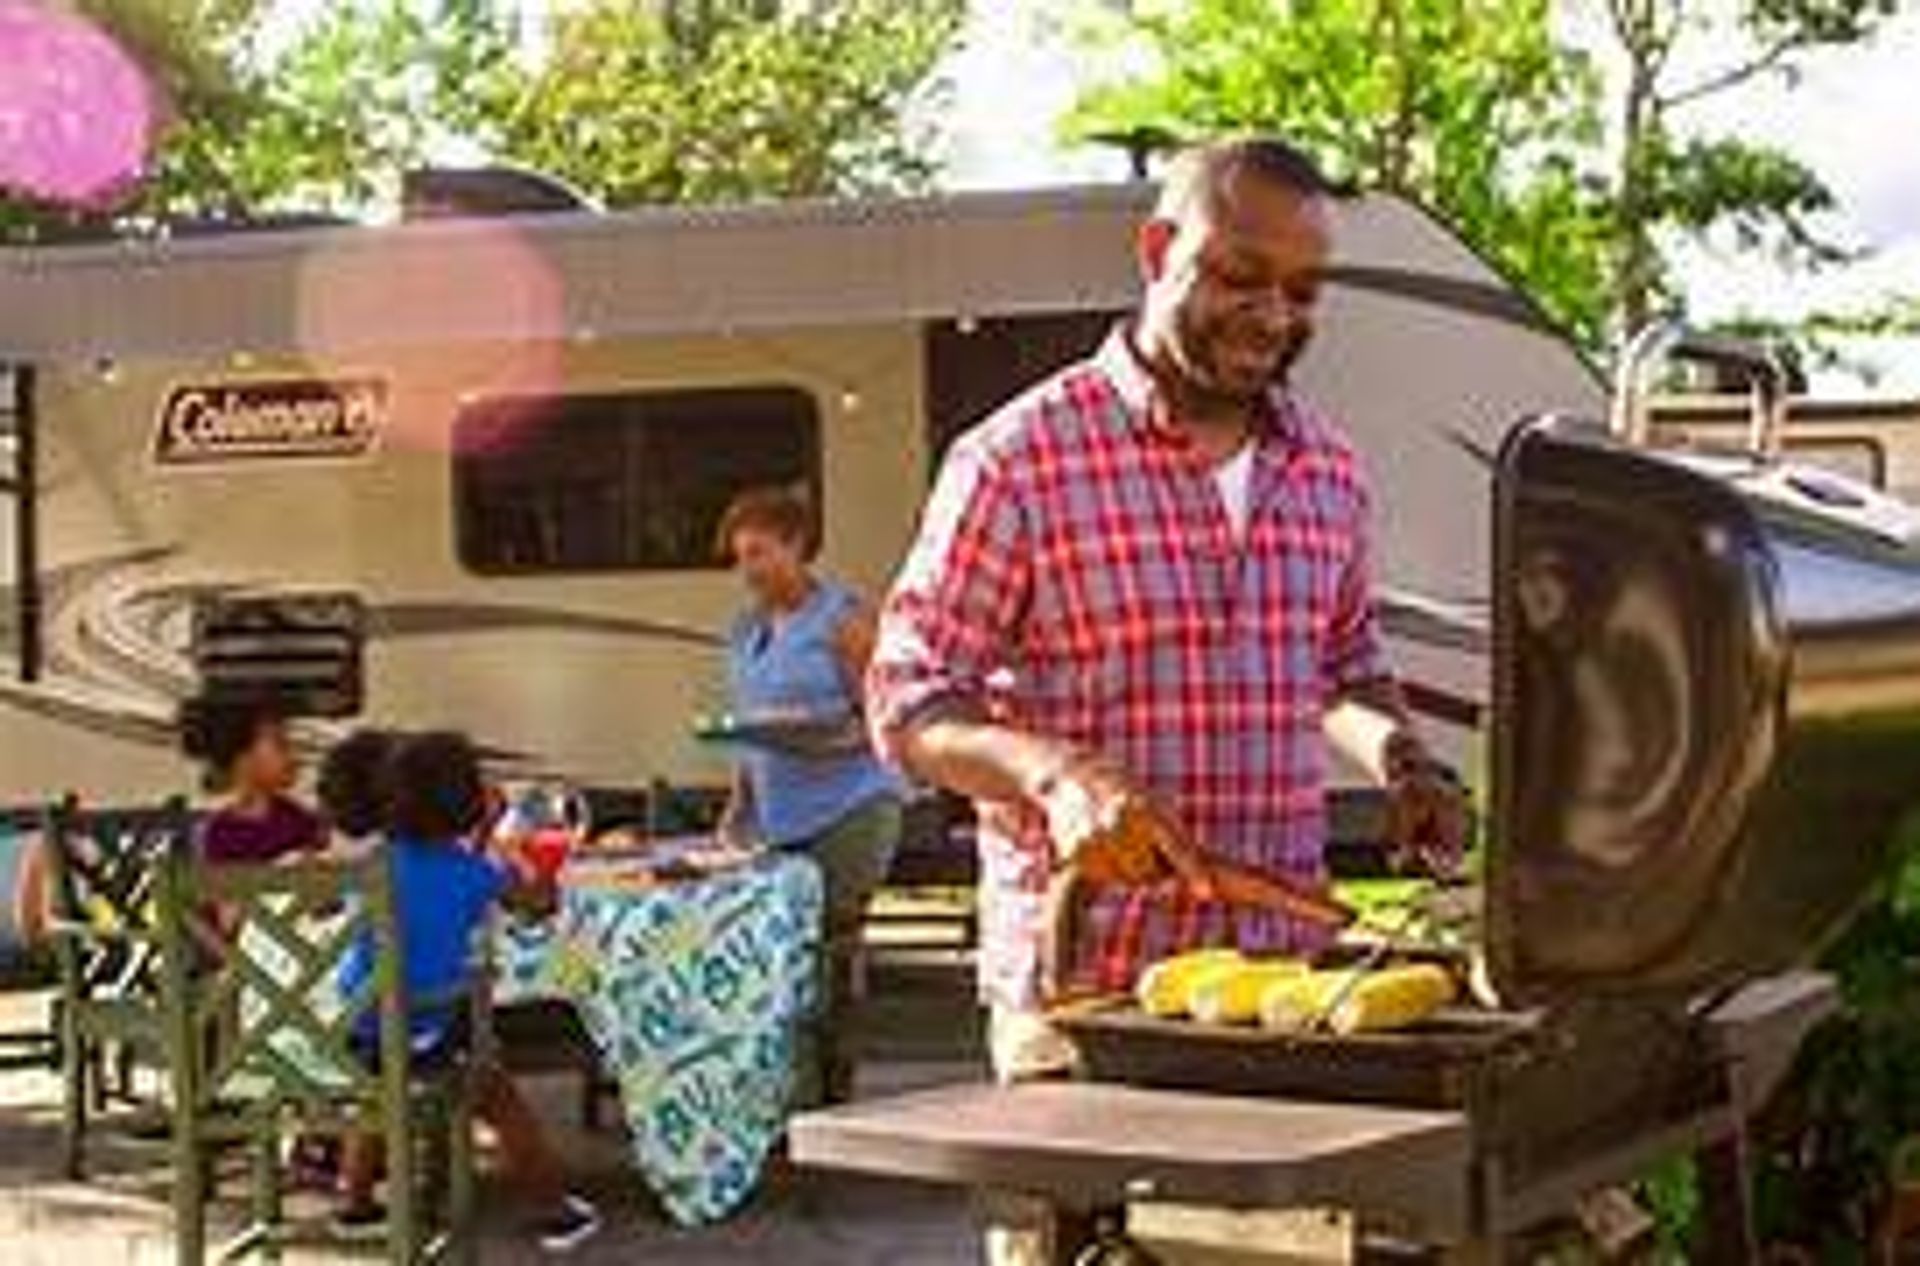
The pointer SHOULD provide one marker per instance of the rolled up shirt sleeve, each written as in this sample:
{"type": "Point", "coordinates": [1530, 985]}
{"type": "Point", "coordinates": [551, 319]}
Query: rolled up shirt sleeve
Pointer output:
{"type": "Point", "coordinates": [1354, 654]}
{"type": "Point", "coordinates": [947, 625]}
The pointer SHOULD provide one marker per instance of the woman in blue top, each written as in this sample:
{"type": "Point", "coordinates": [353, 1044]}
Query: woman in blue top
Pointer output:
{"type": "Point", "coordinates": [795, 662]}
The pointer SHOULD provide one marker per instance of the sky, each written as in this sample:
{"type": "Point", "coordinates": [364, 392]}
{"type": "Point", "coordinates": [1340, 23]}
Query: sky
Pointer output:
{"type": "Point", "coordinates": [1852, 118]}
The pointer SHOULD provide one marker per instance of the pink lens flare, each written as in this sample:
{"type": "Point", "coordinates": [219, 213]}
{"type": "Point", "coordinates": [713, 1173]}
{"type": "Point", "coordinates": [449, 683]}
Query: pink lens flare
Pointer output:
{"type": "Point", "coordinates": [77, 114]}
{"type": "Point", "coordinates": [476, 295]}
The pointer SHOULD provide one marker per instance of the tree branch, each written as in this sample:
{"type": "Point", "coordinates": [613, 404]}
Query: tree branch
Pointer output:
{"type": "Point", "coordinates": [1662, 42]}
{"type": "Point", "coordinates": [1733, 77]}
{"type": "Point", "coordinates": [1619, 15]}
{"type": "Point", "coordinates": [1637, 28]}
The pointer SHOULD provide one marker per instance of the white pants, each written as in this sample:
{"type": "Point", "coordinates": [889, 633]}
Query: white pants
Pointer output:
{"type": "Point", "coordinates": [1022, 1046]}
{"type": "Point", "coordinates": [1026, 1046]}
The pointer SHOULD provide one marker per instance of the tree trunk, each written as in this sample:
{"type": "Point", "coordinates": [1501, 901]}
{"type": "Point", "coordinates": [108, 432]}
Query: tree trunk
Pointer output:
{"type": "Point", "coordinates": [1639, 131]}
{"type": "Point", "coordinates": [1405, 122]}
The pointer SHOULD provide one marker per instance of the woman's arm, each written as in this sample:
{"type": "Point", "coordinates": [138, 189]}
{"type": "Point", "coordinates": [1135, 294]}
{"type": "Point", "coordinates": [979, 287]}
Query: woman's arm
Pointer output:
{"type": "Point", "coordinates": [853, 645]}
{"type": "Point", "coordinates": [733, 826]}
{"type": "Point", "coordinates": [32, 889]}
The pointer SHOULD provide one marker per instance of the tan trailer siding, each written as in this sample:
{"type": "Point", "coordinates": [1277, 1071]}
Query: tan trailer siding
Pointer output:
{"type": "Point", "coordinates": [531, 672]}
{"type": "Point", "coordinates": [1862, 438]}
{"type": "Point", "coordinates": [1425, 356]}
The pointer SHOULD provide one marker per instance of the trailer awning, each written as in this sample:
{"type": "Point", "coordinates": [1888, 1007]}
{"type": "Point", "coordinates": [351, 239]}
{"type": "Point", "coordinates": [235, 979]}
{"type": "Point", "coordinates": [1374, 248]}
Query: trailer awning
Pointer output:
{"type": "Point", "coordinates": [651, 272]}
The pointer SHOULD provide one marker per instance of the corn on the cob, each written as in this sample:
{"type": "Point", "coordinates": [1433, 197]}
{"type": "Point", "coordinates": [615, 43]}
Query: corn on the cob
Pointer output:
{"type": "Point", "coordinates": [1231, 995]}
{"type": "Point", "coordinates": [1393, 999]}
{"type": "Point", "coordinates": [1293, 1006]}
{"type": "Point", "coordinates": [1164, 988]}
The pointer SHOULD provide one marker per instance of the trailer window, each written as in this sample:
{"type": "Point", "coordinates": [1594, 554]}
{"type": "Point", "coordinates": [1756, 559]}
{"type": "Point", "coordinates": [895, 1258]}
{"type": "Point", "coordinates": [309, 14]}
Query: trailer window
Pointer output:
{"type": "Point", "coordinates": [627, 482]}
{"type": "Point", "coordinates": [1860, 458]}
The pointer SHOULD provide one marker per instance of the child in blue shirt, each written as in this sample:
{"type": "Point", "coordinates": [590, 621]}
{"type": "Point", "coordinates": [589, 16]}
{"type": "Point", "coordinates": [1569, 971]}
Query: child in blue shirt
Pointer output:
{"type": "Point", "coordinates": [351, 787]}
{"type": "Point", "coordinates": [435, 800]}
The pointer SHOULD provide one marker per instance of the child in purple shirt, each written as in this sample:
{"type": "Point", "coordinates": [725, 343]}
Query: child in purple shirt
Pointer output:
{"type": "Point", "coordinates": [251, 763]}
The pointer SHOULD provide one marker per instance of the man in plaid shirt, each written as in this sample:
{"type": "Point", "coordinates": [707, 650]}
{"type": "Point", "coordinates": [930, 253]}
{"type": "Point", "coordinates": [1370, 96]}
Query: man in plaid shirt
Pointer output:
{"type": "Point", "coordinates": [1138, 607]}
{"type": "Point", "coordinates": [1140, 596]}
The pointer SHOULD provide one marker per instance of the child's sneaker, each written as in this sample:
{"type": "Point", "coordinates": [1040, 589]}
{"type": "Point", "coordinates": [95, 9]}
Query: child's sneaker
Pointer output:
{"type": "Point", "coordinates": [572, 1223]}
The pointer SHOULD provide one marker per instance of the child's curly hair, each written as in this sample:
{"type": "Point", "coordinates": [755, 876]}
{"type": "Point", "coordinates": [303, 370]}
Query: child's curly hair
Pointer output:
{"type": "Point", "coordinates": [435, 790]}
{"type": "Point", "coordinates": [217, 732]}
{"type": "Point", "coordinates": [352, 784]}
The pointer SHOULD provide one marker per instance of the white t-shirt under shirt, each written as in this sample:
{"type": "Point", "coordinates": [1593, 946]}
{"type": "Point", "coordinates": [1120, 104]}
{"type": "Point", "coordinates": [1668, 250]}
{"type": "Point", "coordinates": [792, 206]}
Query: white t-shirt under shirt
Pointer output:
{"type": "Point", "coordinates": [1234, 479]}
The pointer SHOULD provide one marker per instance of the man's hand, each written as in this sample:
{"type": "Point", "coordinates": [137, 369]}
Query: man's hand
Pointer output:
{"type": "Point", "coordinates": [1109, 830]}
{"type": "Point", "coordinates": [1426, 811]}
{"type": "Point", "coordinates": [1100, 821]}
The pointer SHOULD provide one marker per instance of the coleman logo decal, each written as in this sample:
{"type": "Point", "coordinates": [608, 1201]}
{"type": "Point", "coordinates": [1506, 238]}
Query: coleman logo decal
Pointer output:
{"type": "Point", "coordinates": [288, 418]}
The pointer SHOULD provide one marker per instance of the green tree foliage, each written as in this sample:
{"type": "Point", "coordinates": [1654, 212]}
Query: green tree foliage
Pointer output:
{"type": "Point", "coordinates": [191, 51]}
{"type": "Point", "coordinates": [1669, 185]}
{"type": "Point", "coordinates": [1579, 185]}
{"type": "Point", "coordinates": [317, 126]}
{"type": "Point", "coordinates": [634, 102]}
{"type": "Point", "coordinates": [728, 99]}
{"type": "Point", "coordinates": [1471, 106]}
{"type": "Point", "coordinates": [362, 93]}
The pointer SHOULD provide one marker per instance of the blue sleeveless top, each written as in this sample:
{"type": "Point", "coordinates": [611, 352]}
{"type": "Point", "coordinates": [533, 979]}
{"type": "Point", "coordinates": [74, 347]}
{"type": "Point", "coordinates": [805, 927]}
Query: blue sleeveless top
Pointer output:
{"type": "Point", "coordinates": [793, 666]}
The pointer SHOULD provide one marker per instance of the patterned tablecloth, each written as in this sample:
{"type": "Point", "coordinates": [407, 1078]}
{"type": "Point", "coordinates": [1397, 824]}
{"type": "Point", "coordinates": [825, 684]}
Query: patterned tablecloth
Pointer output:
{"type": "Point", "coordinates": [692, 993]}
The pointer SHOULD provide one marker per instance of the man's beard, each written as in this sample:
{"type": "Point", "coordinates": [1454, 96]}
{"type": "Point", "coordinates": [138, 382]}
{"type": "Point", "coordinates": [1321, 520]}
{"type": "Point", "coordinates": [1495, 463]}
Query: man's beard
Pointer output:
{"type": "Point", "coordinates": [1207, 379]}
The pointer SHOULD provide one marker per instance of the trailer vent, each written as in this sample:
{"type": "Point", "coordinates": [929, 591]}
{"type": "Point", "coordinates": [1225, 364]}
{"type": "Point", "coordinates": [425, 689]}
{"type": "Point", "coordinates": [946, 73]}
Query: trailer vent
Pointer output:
{"type": "Point", "coordinates": [304, 652]}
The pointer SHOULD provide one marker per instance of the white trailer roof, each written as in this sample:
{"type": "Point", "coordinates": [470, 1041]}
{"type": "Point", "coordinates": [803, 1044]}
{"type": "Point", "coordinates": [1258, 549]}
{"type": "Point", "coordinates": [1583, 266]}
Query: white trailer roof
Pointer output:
{"type": "Point", "coordinates": [649, 272]}
{"type": "Point", "coordinates": [677, 271]}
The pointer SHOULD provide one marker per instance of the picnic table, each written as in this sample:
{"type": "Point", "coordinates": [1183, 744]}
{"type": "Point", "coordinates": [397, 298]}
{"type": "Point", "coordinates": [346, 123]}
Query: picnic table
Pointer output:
{"type": "Point", "coordinates": [693, 992]}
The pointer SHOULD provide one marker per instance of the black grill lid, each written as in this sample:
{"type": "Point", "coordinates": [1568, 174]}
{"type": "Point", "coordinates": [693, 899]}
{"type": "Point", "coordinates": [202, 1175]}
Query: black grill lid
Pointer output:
{"type": "Point", "coordinates": [1706, 735]}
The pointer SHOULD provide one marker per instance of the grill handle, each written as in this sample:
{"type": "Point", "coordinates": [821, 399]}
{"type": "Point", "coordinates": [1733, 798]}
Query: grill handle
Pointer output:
{"type": "Point", "coordinates": [1632, 421]}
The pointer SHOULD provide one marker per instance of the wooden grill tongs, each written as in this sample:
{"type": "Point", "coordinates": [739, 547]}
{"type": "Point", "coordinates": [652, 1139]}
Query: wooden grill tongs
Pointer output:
{"type": "Point", "coordinates": [1237, 887]}
{"type": "Point", "coordinates": [1125, 856]}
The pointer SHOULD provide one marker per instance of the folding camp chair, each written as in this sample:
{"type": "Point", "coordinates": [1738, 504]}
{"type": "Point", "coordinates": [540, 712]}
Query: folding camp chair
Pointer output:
{"type": "Point", "coordinates": [261, 1045]}
{"type": "Point", "coordinates": [101, 868]}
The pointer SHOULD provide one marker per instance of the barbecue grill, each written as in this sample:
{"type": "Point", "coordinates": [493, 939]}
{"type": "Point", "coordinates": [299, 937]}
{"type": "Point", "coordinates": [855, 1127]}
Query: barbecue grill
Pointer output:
{"type": "Point", "coordinates": [1705, 734]}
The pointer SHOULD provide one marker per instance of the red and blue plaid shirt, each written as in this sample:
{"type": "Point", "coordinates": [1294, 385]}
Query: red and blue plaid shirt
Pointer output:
{"type": "Point", "coordinates": [1077, 575]}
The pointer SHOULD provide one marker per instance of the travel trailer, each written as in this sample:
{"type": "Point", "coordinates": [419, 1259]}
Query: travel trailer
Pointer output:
{"type": "Point", "coordinates": [509, 439]}
{"type": "Point", "coordinates": [1876, 442]}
